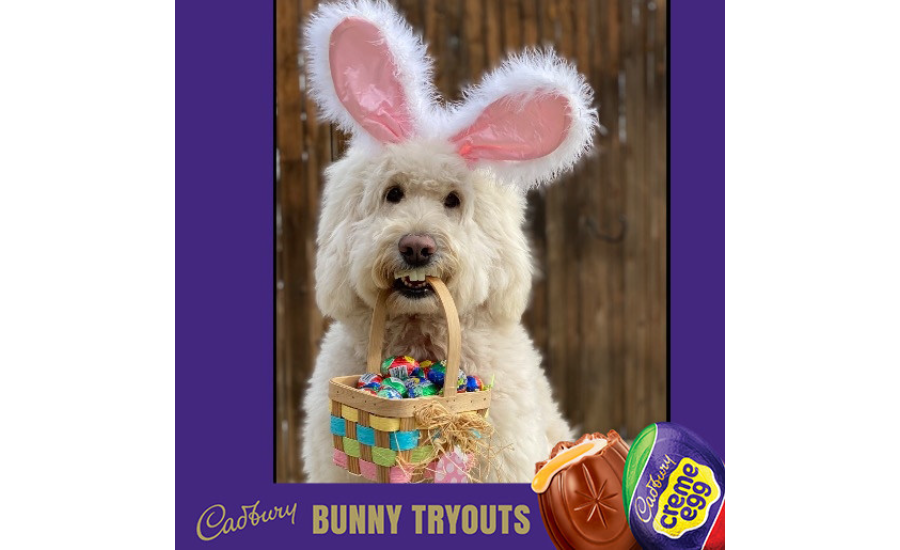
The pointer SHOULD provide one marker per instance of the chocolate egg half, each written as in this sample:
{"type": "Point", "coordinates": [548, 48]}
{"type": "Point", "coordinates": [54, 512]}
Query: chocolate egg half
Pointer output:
{"type": "Point", "coordinates": [582, 503]}
{"type": "Point", "coordinates": [674, 490]}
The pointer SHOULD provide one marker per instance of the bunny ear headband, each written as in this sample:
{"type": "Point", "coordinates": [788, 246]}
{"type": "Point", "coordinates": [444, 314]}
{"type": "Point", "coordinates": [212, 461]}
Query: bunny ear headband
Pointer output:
{"type": "Point", "coordinates": [527, 121]}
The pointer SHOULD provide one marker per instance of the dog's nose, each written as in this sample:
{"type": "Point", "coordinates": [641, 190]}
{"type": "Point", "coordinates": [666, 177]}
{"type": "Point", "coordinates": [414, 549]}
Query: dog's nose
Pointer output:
{"type": "Point", "coordinates": [417, 249]}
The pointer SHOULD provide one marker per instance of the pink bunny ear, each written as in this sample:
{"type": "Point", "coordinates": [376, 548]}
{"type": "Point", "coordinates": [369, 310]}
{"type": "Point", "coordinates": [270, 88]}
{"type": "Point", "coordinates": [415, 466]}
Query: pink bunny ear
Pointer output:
{"type": "Point", "coordinates": [363, 71]}
{"type": "Point", "coordinates": [528, 121]}
{"type": "Point", "coordinates": [516, 128]}
{"type": "Point", "coordinates": [368, 71]}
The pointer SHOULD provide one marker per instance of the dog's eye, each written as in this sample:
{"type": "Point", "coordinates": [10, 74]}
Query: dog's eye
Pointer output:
{"type": "Point", "coordinates": [394, 195]}
{"type": "Point", "coordinates": [452, 200]}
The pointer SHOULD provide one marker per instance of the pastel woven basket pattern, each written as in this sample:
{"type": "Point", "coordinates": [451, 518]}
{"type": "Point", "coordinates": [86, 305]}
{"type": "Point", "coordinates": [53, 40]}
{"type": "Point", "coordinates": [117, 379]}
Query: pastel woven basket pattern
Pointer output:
{"type": "Point", "coordinates": [372, 452]}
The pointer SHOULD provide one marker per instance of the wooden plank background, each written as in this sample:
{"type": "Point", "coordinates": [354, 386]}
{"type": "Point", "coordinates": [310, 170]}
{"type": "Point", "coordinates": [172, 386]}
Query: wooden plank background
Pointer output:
{"type": "Point", "coordinates": [598, 310]}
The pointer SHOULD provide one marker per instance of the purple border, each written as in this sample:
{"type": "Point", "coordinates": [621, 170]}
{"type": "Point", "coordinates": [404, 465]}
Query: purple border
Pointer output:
{"type": "Point", "coordinates": [697, 220]}
{"type": "Point", "coordinates": [224, 275]}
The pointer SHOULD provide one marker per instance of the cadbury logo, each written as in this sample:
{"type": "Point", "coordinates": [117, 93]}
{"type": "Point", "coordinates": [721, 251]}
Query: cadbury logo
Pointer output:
{"type": "Point", "coordinates": [644, 505]}
{"type": "Point", "coordinates": [214, 522]}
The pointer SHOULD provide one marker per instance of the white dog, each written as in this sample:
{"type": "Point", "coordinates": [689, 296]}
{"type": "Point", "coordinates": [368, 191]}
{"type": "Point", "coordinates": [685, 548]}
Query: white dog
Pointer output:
{"type": "Point", "coordinates": [427, 190]}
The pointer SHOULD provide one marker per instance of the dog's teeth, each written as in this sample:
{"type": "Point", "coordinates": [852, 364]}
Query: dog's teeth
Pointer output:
{"type": "Point", "coordinates": [415, 278]}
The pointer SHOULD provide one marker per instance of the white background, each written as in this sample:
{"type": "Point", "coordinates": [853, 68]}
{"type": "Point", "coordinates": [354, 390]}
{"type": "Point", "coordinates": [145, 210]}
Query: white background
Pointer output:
{"type": "Point", "coordinates": [812, 215]}
{"type": "Point", "coordinates": [87, 274]}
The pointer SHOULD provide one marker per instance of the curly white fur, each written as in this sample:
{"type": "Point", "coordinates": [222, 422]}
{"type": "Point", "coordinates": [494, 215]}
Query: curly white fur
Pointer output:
{"type": "Point", "coordinates": [482, 252]}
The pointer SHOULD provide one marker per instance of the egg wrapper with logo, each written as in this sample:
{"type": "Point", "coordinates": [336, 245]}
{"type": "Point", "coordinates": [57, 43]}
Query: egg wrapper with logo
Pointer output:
{"type": "Point", "coordinates": [674, 490]}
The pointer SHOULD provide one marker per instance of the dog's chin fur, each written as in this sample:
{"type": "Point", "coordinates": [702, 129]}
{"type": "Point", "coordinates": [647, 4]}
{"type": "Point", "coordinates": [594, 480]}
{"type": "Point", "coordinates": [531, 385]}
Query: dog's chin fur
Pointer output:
{"type": "Point", "coordinates": [482, 255]}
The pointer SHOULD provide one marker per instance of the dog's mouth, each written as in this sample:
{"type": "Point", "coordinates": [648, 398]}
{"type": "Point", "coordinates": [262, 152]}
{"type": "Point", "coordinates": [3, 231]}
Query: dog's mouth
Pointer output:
{"type": "Point", "coordinates": [412, 284]}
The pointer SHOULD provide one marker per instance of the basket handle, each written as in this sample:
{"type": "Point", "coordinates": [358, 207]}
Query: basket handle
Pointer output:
{"type": "Point", "coordinates": [454, 338]}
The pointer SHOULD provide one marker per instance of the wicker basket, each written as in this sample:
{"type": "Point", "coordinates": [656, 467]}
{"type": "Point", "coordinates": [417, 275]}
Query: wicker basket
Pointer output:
{"type": "Point", "coordinates": [375, 436]}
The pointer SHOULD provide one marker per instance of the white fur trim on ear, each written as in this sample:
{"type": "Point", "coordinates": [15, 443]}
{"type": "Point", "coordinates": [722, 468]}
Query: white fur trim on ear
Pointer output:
{"type": "Point", "coordinates": [414, 68]}
{"type": "Point", "coordinates": [533, 73]}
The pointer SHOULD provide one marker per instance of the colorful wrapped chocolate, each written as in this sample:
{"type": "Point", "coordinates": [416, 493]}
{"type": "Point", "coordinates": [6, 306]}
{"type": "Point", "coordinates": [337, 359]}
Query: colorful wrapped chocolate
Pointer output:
{"type": "Point", "coordinates": [396, 384]}
{"type": "Point", "coordinates": [399, 371]}
{"type": "Point", "coordinates": [424, 389]}
{"type": "Point", "coordinates": [436, 373]}
{"type": "Point", "coordinates": [461, 381]}
{"type": "Point", "coordinates": [474, 383]}
{"type": "Point", "coordinates": [399, 366]}
{"type": "Point", "coordinates": [370, 380]}
{"type": "Point", "coordinates": [674, 490]}
{"type": "Point", "coordinates": [389, 393]}
{"type": "Point", "coordinates": [425, 366]}
{"type": "Point", "coordinates": [411, 384]}
{"type": "Point", "coordinates": [412, 379]}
